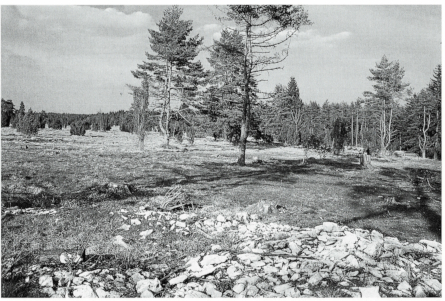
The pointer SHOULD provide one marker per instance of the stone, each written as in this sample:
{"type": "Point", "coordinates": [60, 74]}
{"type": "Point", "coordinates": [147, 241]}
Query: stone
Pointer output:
{"type": "Point", "coordinates": [315, 279]}
{"type": "Point", "coordinates": [432, 285]}
{"type": "Point", "coordinates": [178, 279]}
{"type": "Point", "coordinates": [145, 233]}
{"type": "Point", "coordinates": [280, 289]}
{"type": "Point", "coordinates": [307, 292]}
{"type": "Point", "coordinates": [46, 281]}
{"type": "Point", "coordinates": [147, 294]}
{"type": "Point", "coordinates": [195, 294]}
{"type": "Point", "coordinates": [238, 288]}
{"type": "Point", "coordinates": [434, 244]}
{"type": "Point", "coordinates": [205, 271]}
{"type": "Point", "coordinates": [233, 272]}
{"type": "Point", "coordinates": [118, 240]}
{"type": "Point", "coordinates": [397, 275]}
{"type": "Point", "coordinates": [349, 240]}
{"type": "Point", "coordinates": [251, 290]}
{"type": "Point", "coordinates": [352, 262]}
{"type": "Point", "coordinates": [220, 218]}
{"type": "Point", "coordinates": [84, 291]}
{"type": "Point", "coordinates": [211, 290]}
{"type": "Point", "coordinates": [214, 259]}
{"type": "Point", "coordinates": [252, 226]}
{"type": "Point", "coordinates": [257, 264]}
{"type": "Point", "coordinates": [419, 292]}
{"type": "Point", "coordinates": [404, 286]}
{"type": "Point", "coordinates": [249, 256]}
{"type": "Point", "coordinates": [136, 277]}
{"type": "Point", "coordinates": [271, 295]}
{"type": "Point", "coordinates": [374, 249]}
{"type": "Point", "coordinates": [135, 221]}
{"type": "Point", "coordinates": [295, 249]}
{"type": "Point", "coordinates": [101, 293]}
{"type": "Point", "coordinates": [329, 227]}
{"type": "Point", "coordinates": [242, 228]}
{"type": "Point", "coordinates": [181, 224]}
{"type": "Point", "coordinates": [49, 291]}
{"type": "Point", "coordinates": [209, 223]}
{"type": "Point", "coordinates": [370, 292]}
{"type": "Point", "coordinates": [216, 247]}
{"type": "Point", "coordinates": [270, 269]}
{"type": "Point", "coordinates": [292, 293]}
{"type": "Point", "coordinates": [124, 227]}
{"type": "Point", "coordinates": [153, 285]}
{"type": "Point", "coordinates": [193, 265]}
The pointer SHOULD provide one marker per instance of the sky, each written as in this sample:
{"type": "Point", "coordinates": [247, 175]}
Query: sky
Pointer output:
{"type": "Point", "coordinates": [78, 59]}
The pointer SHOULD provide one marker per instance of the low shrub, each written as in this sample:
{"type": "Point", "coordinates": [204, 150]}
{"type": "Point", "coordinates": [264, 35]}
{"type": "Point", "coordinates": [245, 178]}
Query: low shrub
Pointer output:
{"type": "Point", "coordinates": [77, 128]}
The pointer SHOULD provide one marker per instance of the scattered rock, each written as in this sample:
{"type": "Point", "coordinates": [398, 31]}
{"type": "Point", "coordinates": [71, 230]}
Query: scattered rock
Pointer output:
{"type": "Point", "coordinates": [84, 291]}
{"type": "Point", "coordinates": [151, 284]}
{"type": "Point", "coordinates": [46, 281]}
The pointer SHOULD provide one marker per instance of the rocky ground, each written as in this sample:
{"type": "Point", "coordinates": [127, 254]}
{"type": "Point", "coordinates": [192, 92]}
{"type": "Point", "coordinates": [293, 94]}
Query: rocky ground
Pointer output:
{"type": "Point", "coordinates": [268, 260]}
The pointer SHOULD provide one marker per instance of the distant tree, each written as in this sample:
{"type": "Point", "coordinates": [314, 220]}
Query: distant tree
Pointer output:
{"type": "Point", "coordinates": [263, 27]}
{"type": "Point", "coordinates": [339, 134]}
{"type": "Point", "coordinates": [8, 112]}
{"type": "Point", "coordinates": [77, 128]}
{"type": "Point", "coordinates": [388, 89]}
{"type": "Point", "coordinates": [139, 109]}
{"type": "Point", "coordinates": [29, 124]}
{"type": "Point", "coordinates": [19, 115]}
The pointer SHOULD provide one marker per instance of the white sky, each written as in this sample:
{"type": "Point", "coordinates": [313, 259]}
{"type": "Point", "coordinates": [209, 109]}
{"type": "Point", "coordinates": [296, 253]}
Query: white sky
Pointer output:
{"type": "Point", "coordinates": [77, 59]}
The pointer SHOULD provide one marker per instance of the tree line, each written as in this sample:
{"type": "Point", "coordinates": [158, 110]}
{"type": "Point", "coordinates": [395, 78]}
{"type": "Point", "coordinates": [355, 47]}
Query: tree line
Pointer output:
{"type": "Point", "coordinates": [178, 97]}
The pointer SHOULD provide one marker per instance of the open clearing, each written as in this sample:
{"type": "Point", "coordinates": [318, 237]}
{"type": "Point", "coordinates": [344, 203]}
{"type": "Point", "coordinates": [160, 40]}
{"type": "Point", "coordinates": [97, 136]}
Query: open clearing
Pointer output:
{"type": "Point", "coordinates": [398, 197]}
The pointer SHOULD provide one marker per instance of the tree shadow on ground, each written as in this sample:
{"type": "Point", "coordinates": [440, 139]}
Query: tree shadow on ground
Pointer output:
{"type": "Point", "coordinates": [405, 201]}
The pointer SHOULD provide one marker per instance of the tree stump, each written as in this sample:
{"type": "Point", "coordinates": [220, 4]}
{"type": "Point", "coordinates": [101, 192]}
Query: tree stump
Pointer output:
{"type": "Point", "coordinates": [365, 160]}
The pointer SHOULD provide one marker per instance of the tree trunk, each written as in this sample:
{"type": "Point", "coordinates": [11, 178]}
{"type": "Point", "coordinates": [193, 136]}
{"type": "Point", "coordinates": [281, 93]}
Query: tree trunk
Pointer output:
{"type": "Point", "coordinates": [141, 142]}
{"type": "Point", "coordinates": [423, 153]}
{"type": "Point", "coordinates": [365, 160]}
{"type": "Point", "coordinates": [246, 102]}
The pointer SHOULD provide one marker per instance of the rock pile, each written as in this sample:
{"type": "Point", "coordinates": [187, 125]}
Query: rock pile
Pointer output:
{"type": "Point", "coordinates": [271, 260]}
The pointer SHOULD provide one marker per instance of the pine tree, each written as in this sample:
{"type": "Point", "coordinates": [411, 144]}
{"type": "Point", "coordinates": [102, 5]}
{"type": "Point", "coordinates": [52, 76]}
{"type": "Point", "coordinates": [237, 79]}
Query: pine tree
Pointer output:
{"type": "Point", "coordinates": [263, 27]}
{"type": "Point", "coordinates": [169, 70]}
{"type": "Point", "coordinates": [388, 89]}
{"type": "Point", "coordinates": [8, 112]}
{"type": "Point", "coordinates": [435, 87]}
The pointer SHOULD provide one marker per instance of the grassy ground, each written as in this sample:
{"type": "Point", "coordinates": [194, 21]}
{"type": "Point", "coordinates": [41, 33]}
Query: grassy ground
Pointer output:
{"type": "Point", "coordinates": [398, 197]}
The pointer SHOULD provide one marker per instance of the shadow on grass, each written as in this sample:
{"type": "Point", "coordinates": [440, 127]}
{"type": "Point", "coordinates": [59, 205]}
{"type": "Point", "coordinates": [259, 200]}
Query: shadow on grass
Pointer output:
{"type": "Point", "coordinates": [407, 202]}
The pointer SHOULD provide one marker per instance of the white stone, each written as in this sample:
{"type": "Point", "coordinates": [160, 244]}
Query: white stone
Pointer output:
{"type": "Point", "coordinates": [292, 293]}
{"type": "Point", "coordinates": [178, 279]}
{"type": "Point", "coordinates": [349, 240]}
{"type": "Point", "coordinates": [145, 233]}
{"type": "Point", "coordinates": [205, 271]}
{"type": "Point", "coordinates": [216, 247]}
{"type": "Point", "coordinates": [124, 227]}
{"type": "Point", "coordinates": [370, 292]}
{"type": "Point", "coordinates": [209, 223]}
{"type": "Point", "coordinates": [153, 285]}
{"type": "Point", "coordinates": [433, 284]}
{"type": "Point", "coordinates": [434, 244]}
{"type": "Point", "coordinates": [404, 286]}
{"type": "Point", "coordinates": [101, 293]}
{"type": "Point", "coordinates": [221, 218]}
{"type": "Point", "coordinates": [233, 272]}
{"type": "Point", "coordinates": [329, 227]}
{"type": "Point", "coordinates": [252, 226]}
{"type": "Point", "coordinates": [135, 221]}
{"type": "Point", "coordinates": [296, 249]}
{"type": "Point", "coordinates": [195, 294]}
{"type": "Point", "coordinates": [46, 281]}
{"type": "Point", "coordinates": [374, 249]}
{"type": "Point", "coordinates": [118, 240]}
{"type": "Point", "coordinates": [147, 294]}
{"type": "Point", "coordinates": [242, 228]}
{"type": "Point", "coordinates": [270, 269]}
{"type": "Point", "coordinates": [419, 292]}
{"type": "Point", "coordinates": [238, 288]}
{"type": "Point", "coordinates": [280, 289]}
{"type": "Point", "coordinates": [213, 259]}
{"type": "Point", "coordinates": [83, 291]}
{"type": "Point", "coordinates": [249, 256]}
{"type": "Point", "coordinates": [352, 262]}
{"type": "Point", "coordinates": [315, 279]}
{"type": "Point", "coordinates": [181, 224]}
